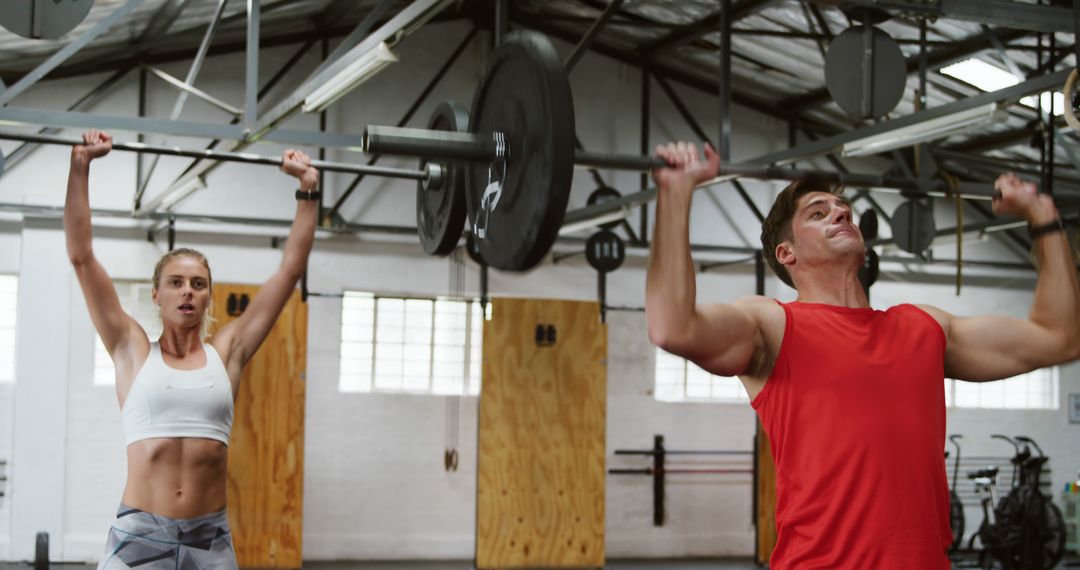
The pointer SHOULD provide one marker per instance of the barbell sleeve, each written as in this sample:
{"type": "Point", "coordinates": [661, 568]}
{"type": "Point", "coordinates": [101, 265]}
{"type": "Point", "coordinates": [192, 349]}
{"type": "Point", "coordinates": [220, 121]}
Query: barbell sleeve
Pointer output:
{"type": "Point", "coordinates": [245, 157]}
{"type": "Point", "coordinates": [431, 144]}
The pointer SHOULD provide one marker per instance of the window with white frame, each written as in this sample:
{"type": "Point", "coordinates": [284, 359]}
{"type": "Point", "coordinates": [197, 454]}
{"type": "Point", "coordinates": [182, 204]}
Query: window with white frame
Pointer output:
{"type": "Point", "coordinates": [1037, 389]}
{"type": "Point", "coordinates": [394, 344]}
{"type": "Point", "coordinates": [9, 293]}
{"type": "Point", "coordinates": [137, 300]}
{"type": "Point", "coordinates": [679, 380]}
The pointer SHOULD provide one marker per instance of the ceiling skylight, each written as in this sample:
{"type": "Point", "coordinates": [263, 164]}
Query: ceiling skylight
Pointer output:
{"type": "Point", "coordinates": [990, 78]}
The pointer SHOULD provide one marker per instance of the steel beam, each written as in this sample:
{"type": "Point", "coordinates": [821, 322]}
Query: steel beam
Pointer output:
{"type": "Point", "coordinates": [251, 65]}
{"type": "Point", "coordinates": [148, 125]}
{"type": "Point", "coordinates": [1016, 15]}
{"type": "Point", "coordinates": [357, 34]}
{"type": "Point", "coordinates": [834, 143]}
{"type": "Point", "coordinates": [415, 12]}
{"type": "Point", "coordinates": [92, 97]}
{"type": "Point", "coordinates": [705, 26]}
{"type": "Point", "coordinates": [187, 88]}
{"type": "Point", "coordinates": [158, 26]}
{"type": "Point", "coordinates": [586, 41]}
{"type": "Point", "coordinates": [69, 49]}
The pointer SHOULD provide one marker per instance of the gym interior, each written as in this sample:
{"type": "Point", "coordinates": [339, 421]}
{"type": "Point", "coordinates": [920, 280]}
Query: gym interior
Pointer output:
{"type": "Point", "coordinates": [367, 434]}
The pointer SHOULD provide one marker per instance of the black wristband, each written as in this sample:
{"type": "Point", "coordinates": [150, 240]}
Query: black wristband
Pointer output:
{"type": "Point", "coordinates": [312, 195]}
{"type": "Point", "coordinates": [1048, 228]}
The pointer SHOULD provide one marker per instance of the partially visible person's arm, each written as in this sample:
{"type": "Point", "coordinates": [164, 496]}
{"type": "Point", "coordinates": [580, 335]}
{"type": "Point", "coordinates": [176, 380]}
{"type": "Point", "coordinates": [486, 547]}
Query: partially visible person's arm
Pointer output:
{"type": "Point", "coordinates": [720, 338]}
{"type": "Point", "coordinates": [120, 333]}
{"type": "Point", "coordinates": [992, 347]}
{"type": "Point", "coordinates": [242, 337]}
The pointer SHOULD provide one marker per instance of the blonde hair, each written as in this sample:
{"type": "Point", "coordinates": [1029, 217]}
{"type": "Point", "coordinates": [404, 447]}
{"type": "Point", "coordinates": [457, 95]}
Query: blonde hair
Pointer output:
{"type": "Point", "coordinates": [208, 318]}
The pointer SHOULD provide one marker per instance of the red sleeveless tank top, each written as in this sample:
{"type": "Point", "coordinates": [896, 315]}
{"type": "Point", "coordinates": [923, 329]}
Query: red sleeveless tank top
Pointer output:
{"type": "Point", "coordinates": [855, 413]}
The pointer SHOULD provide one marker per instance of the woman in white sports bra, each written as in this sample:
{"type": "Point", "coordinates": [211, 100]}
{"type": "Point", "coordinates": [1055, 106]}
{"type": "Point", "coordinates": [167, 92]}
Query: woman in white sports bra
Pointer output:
{"type": "Point", "coordinates": [176, 394]}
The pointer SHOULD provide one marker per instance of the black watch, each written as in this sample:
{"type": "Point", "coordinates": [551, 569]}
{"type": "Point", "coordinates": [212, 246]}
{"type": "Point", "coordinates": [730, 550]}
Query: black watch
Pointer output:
{"type": "Point", "coordinates": [1050, 227]}
{"type": "Point", "coordinates": [313, 195]}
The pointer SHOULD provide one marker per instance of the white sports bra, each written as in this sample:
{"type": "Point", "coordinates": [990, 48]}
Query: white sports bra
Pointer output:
{"type": "Point", "coordinates": [166, 402]}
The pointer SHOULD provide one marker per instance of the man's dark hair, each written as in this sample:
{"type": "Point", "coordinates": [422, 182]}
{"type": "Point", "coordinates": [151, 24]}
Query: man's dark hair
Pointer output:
{"type": "Point", "coordinates": [777, 225]}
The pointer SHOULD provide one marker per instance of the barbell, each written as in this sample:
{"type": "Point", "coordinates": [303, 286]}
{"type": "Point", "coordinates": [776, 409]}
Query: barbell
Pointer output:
{"type": "Point", "coordinates": [506, 168]}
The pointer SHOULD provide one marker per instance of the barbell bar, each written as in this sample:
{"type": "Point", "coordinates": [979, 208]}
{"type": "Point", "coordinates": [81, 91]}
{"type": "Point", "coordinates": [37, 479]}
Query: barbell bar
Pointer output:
{"type": "Point", "coordinates": [428, 175]}
{"type": "Point", "coordinates": [444, 145]}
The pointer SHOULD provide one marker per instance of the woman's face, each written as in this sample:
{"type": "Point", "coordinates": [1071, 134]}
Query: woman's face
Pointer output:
{"type": "Point", "coordinates": [183, 292]}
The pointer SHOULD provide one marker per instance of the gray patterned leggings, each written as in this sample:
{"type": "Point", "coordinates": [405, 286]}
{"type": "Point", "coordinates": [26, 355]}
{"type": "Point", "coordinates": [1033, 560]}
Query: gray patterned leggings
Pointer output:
{"type": "Point", "coordinates": [139, 539]}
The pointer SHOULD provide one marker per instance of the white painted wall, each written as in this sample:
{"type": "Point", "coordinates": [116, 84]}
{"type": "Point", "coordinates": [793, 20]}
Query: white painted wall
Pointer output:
{"type": "Point", "coordinates": [374, 483]}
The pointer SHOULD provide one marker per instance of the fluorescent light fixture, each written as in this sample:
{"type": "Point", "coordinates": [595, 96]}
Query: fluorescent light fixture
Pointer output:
{"type": "Point", "coordinates": [932, 129]}
{"type": "Point", "coordinates": [354, 74]}
{"type": "Point", "coordinates": [990, 78]}
{"type": "Point", "coordinates": [612, 216]}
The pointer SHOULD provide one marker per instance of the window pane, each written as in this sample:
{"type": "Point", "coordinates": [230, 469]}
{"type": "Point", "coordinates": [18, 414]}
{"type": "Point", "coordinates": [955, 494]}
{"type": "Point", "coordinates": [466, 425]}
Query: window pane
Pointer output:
{"type": "Point", "coordinates": [419, 345]}
{"type": "Point", "coordinates": [677, 380]}
{"type": "Point", "coordinates": [1037, 389]}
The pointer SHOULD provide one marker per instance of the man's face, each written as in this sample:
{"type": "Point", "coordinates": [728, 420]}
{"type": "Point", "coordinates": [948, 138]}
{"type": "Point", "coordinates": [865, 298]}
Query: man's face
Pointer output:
{"type": "Point", "coordinates": [822, 232]}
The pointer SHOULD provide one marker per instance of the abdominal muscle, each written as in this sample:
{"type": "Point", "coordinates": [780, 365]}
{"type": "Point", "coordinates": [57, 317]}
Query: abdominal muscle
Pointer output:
{"type": "Point", "coordinates": [176, 477]}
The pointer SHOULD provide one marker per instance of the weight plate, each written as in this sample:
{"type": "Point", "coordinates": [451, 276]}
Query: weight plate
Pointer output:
{"type": "Point", "coordinates": [868, 225]}
{"type": "Point", "coordinates": [868, 273]}
{"type": "Point", "coordinates": [526, 96]}
{"type": "Point", "coordinates": [43, 19]}
{"type": "Point", "coordinates": [440, 211]}
{"type": "Point", "coordinates": [605, 251]}
{"type": "Point", "coordinates": [913, 226]}
{"type": "Point", "coordinates": [603, 194]}
{"type": "Point", "coordinates": [846, 76]}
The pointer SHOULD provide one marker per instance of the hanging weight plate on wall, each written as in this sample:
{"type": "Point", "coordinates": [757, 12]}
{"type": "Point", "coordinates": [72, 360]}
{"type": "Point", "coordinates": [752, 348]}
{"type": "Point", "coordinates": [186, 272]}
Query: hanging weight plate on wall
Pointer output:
{"type": "Point", "coordinates": [603, 194]}
{"type": "Point", "coordinates": [605, 251]}
{"type": "Point", "coordinates": [865, 72]}
{"type": "Point", "coordinates": [516, 206]}
{"type": "Point", "coordinates": [440, 206]}
{"type": "Point", "coordinates": [913, 226]}
{"type": "Point", "coordinates": [43, 19]}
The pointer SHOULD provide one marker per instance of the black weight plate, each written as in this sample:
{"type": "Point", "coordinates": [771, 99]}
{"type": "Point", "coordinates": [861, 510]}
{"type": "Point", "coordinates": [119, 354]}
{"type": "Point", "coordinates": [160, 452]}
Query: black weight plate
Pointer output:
{"type": "Point", "coordinates": [845, 72]}
{"type": "Point", "coordinates": [48, 20]}
{"type": "Point", "coordinates": [603, 194]}
{"type": "Point", "coordinates": [868, 225]}
{"type": "Point", "coordinates": [441, 212]}
{"type": "Point", "coordinates": [526, 96]}
{"type": "Point", "coordinates": [913, 226]}
{"type": "Point", "coordinates": [868, 273]}
{"type": "Point", "coordinates": [605, 251]}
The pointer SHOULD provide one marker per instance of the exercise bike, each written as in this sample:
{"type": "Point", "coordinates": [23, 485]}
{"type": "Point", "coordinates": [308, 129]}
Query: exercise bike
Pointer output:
{"type": "Point", "coordinates": [1025, 530]}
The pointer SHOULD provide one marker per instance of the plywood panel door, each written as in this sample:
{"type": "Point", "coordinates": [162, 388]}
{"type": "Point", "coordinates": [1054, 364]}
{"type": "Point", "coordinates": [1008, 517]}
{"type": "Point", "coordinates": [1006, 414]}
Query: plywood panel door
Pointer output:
{"type": "Point", "coordinates": [765, 476]}
{"type": "Point", "coordinates": [266, 450]}
{"type": "Point", "coordinates": [540, 487]}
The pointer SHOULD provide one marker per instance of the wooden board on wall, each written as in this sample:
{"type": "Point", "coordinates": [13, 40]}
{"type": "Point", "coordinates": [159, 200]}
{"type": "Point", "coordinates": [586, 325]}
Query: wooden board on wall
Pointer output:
{"type": "Point", "coordinates": [765, 476]}
{"type": "Point", "coordinates": [266, 449]}
{"type": "Point", "coordinates": [540, 484]}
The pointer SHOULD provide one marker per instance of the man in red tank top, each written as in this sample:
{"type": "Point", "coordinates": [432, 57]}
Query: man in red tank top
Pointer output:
{"type": "Point", "coordinates": [850, 397]}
